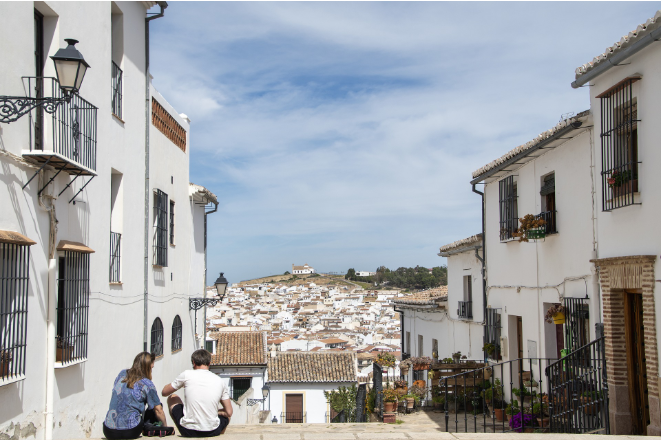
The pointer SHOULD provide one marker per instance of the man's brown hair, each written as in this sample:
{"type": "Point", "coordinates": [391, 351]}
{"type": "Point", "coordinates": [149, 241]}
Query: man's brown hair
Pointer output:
{"type": "Point", "coordinates": [201, 357]}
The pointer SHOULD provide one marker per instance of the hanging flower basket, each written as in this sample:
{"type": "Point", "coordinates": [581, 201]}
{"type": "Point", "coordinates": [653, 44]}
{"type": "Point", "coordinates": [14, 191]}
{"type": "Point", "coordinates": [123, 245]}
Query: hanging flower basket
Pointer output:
{"type": "Point", "coordinates": [536, 234]}
{"type": "Point", "coordinates": [559, 318]}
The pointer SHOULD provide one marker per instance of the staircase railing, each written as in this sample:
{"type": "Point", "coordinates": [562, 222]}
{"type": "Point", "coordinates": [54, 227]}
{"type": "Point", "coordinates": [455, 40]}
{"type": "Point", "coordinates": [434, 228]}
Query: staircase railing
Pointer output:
{"type": "Point", "coordinates": [579, 384]}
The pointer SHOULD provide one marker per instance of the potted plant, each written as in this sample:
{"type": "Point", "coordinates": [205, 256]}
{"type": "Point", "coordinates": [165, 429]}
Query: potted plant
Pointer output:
{"type": "Point", "coordinates": [522, 422]}
{"type": "Point", "coordinates": [493, 392]}
{"type": "Point", "coordinates": [390, 399]}
{"type": "Point", "coordinates": [530, 384]}
{"type": "Point", "coordinates": [438, 402]}
{"type": "Point", "coordinates": [418, 391]}
{"type": "Point", "coordinates": [540, 411]}
{"type": "Point", "coordinates": [456, 357]}
{"type": "Point", "coordinates": [447, 361]}
{"type": "Point", "coordinates": [410, 399]}
{"type": "Point", "coordinates": [590, 401]}
{"type": "Point", "coordinates": [499, 406]}
{"type": "Point", "coordinates": [386, 360]}
{"type": "Point", "coordinates": [421, 363]}
{"type": "Point", "coordinates": [531, 228]}
{"type": "Point", "coordinates": [524, 393]}
{"type": "Point", "coordinates": [62, 351]}
{"type": "Point", "coordinates": [512, 409]}
{"type": "Point", "coordinates": [621, 183]}
{"type": "Point", "coordinates": [5, 362]}
{"type": "Point", "coordinates": [405, 366]}
{"type": "Point", "coordinates": [489, 349]}
{"type": "Point", "coordinates": [556, 313]}
{"type": "Point", "coordinates": [401, 387]}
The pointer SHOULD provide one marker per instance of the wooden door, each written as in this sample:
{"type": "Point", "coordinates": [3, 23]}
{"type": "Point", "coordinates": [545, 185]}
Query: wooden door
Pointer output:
{"type": "Point", "coordinates": [559, 331]}
{"type": "Point", "coordinates": [636, 363]}
{"type": "Point", "coordinates": [294, 408]}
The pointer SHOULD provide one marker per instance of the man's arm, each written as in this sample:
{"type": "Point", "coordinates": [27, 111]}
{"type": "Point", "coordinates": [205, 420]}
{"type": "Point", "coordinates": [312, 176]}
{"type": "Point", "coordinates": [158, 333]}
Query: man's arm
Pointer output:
{"type": "Point", "coordinates": [167, 390]}
{"type": "Point", "coordinates": [161, 416]}
{"type": "Point", "coordinates": [227, 410]}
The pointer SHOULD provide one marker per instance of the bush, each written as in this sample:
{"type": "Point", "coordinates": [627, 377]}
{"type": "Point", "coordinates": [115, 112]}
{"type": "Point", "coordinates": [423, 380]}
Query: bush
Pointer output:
{"type": "Point", "coordinates": [520, 420]}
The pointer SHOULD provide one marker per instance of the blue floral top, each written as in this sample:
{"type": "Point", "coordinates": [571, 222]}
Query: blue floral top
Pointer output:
{"type": "Point", "coordinates": [127, 405]}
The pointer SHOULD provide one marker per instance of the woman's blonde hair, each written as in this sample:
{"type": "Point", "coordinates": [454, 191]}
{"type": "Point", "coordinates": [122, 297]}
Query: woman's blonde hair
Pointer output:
{"type": "Point", "coordinates": [141, 369]}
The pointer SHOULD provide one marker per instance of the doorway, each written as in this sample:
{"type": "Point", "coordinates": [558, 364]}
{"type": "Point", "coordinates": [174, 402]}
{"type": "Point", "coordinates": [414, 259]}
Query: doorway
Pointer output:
{"type": "Point", "coordinates": [636, 364]}
{"type": "Point", "coordinates": [294, 408]}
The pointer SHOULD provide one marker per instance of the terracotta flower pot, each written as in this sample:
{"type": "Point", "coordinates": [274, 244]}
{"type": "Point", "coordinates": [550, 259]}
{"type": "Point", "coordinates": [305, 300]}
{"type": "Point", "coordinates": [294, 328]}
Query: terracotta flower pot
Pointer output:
{"type": "Point", "coordinates": [499, 415]}
{"type": "Point", "coordinates": [389, 406]}
{"type": "Point", "coordinates": [543, 422]}
{"type": "Point", "coordinates": [487, 373]}
{"type": "Point", "coordinates": [410, 402]}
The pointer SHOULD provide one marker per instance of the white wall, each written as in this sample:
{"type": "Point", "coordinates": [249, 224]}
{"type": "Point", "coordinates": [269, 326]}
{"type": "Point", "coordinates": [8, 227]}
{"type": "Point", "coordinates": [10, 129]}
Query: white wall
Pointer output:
{"type": "Point", "coordinates": [315, 403]}
{"type": "Point", "coordinates": [116, 311]}
{"type": "Point", "coordinates": [635, 229]}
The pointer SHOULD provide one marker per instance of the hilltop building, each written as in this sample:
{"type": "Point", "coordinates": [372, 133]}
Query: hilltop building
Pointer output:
{"type": "Point", "coordinates": [302, 270]}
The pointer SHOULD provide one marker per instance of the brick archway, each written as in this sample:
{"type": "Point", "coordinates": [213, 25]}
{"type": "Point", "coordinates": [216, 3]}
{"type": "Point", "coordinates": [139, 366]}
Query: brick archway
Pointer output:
{"type": "Point", "coordinates": [616, 275]}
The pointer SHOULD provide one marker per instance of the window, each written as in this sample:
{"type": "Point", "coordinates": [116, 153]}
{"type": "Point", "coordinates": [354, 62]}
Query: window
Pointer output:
{"type": "Point", "coordinates": [14, 278]}
{"type": "Point", "coordinates": [619, 145]}
{"type": "Point", "coordinates": [116, 226]}
{"type": "Point", "coordinates": [209, 346]}
{"type": "Point", "coordinates": [420, 347]}
{"type": "Point", "coordinates": [408, 348]}
{"type": "Point", "coordinates": [576, 323]}
{"type": "Point", "coordinates": [548, 203]}
{"type": "Point", "coordinates": [117, 53]}
{"type": "Point", "coordinates": [156, 343]}
{"type": "Point", "coordinates": [172, 222]}
{"type": "Point", "coordinates": [115, 239]}
{"type": "Point", "coordinates": [465, 306]}
{"type": "Point", "coordinates": [160, 229]}
{"type": "Point", "coordinates": [72, 307]}
{"type": "Point", "coordinates": [493, 332]}
{"type": "Point", "coordinates": [508, 208]}
{"type": "Point", "coordinates": [176, 342]}
{"type": "Point", "coordinates": [239, 386]}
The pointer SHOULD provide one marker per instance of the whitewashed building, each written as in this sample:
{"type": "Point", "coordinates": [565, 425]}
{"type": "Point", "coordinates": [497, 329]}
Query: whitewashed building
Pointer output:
{"type": "Point", "coordinates": [302, 270]}
{"type": "Point", "coordinates": [101, 233]}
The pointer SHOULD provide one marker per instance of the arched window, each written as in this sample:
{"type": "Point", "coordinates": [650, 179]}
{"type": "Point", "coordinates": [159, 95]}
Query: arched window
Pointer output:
{"type": "Point", "coordinates": [176, 342]}
{"type": "Point", "coordinates": [156, 346]}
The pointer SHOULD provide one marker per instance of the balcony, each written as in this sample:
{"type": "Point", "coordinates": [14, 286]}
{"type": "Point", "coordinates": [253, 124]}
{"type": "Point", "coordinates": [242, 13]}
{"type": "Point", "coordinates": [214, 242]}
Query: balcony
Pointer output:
{"type": "Point", "coordinates": [551, 221]}
{"type": "Point", "coordinates": [65, 139]}
{"type": "Point", "coordinates": [465, 309]}
{"type": "Point", "coordinates": [293, 417]}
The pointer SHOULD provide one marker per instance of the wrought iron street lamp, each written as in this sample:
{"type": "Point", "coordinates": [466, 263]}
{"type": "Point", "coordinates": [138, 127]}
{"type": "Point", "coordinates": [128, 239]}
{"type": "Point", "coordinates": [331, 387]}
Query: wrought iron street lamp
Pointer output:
{"type": "Point", "coordinates": [196, 304]}
{"type": "Point", "coordinates": [70, 68]}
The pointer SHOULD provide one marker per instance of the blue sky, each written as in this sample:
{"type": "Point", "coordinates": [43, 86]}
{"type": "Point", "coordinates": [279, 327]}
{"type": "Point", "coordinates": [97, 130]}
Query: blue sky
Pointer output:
{"type": "Point", "coordinates": [344, 134]}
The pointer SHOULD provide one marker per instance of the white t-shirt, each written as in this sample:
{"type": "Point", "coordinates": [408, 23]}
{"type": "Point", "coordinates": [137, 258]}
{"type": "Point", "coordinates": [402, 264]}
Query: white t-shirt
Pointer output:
{"type": "Point", "coordinates": [202, 392]}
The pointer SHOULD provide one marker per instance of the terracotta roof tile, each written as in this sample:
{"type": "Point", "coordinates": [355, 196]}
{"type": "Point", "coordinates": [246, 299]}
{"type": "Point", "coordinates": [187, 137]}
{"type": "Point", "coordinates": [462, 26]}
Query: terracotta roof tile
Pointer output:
{"type": "Point", "coordinates": [312, 367]}
{"type": "Point", "coordinates": [240, 348]}
{"type": "Point", "coordinates": [427, 297]}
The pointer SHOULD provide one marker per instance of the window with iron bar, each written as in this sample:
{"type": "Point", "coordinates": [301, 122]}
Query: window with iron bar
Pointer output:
{"type": "Point", "coordinates": [116, 88]}
{"type": "Point", "coordinates": [115, 241]}
{"type": "Point", "coordinates": [176, 342]}
{"type": "Point", "coordinates": [239, 386]}
{"type": "Point", "coordinates": [508, 208]}
{"type": "Point", "coordinates": [156, 341]}
{"type": "Point", "coordinates": [160, 239]}
{"type": "Point", "coordinates": [493, 331]}
{"type": "Point", "coordinates": [619, 145]}
{"type": "Point", "coordinates": [14, 279]}
{"type": "Point", "coordinates": [172, 222]}
{"type": "Point", "coordinates": [576, 323]}
{"type": "Point", "coordinates": [72, 307]}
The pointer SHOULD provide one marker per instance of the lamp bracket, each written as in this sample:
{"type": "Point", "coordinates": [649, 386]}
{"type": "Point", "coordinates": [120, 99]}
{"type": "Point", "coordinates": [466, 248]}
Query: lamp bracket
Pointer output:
{"type": "Point", "coordinates": [199, 303]}
{"type": "Point", "coordinates": [12, 108]}
{"type": "Point", "coordinates": [251, 402]}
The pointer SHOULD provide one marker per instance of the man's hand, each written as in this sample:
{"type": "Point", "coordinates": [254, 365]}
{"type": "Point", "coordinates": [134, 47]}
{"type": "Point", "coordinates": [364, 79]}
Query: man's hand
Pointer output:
{"type": "Point", "coordinates": [168, 390]}
{"type": "Point", "coordinates": [227, 410]}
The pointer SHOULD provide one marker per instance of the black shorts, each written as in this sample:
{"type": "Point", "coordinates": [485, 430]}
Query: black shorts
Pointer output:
{"type": "Point", "coordinates": [114, 434]}
{"type": "Point", "coordinates": [178, 412]}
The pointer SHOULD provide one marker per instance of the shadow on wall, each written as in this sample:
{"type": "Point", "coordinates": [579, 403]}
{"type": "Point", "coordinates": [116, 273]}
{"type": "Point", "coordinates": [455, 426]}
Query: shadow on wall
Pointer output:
{"type": "Point", "coordinates": [79, 221]}
{"type": "Point", "coordinates": [159, 277]}
{"type": "Point", "coordinates": [244, 414]}
{"type": "Point", "coordinates": [70, 380]}
{"type": "Point", "coordinates": [12, 397]}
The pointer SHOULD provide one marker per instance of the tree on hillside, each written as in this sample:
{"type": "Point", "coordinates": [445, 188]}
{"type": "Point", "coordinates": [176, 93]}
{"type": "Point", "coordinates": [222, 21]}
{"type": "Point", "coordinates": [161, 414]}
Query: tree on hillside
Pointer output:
{"type": "Point", "coordinates": [286, 273]}
{"type": "Point", "coordinates": [351, 275]}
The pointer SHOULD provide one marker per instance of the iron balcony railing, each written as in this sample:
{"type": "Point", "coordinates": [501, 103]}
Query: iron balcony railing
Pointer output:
{"type": "Point", "coordinates": [579, 386]}
{"type": "Point", "coordinates": [115, 241]}
{"type": "Point", "coordinates": [293, 417]}
{"type": "Point", "coordinates": [73, 125]}
{"type": "Point", "coordinates": [550, 217]}
{"type": "Point", "coordinates": [116, 88]}
{"type": "Point", "coordinates": [465, 309]}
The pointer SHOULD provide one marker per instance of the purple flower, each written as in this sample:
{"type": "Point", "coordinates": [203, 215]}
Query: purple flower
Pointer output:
{"type": "Point", "coordinates": [520, 420]}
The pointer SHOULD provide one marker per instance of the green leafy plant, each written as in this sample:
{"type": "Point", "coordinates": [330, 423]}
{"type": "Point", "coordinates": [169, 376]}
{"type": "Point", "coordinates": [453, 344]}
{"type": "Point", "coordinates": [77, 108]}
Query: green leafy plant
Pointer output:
{"type": "Point", "coordinates": [386, 359]}
{"type": "Point", "coordinates": [539, 409]}
{"type": "Point", "coordinates": [524, 392]}
{"type": "Point", "coordinates": [370, 401]}
{"type": "Point", "coordinates": [412, 396]}
{"type": "Point", "coordinates": [593, 395]}
{"type": "Point", "coordinates": [390, 395]}
{"type": "Point", "coordinates": [439, 399]}
{"type": "Point", "coordinates": [489, 348]}
{"type": "Point", "coordinates": [618, 178]}
{"type": "Point", "coordinates": [343, 399]}
{"type": "Point", "coordinates": [528, 222]}
{"type": "Point", "coordinates": [447, 361]}
{"type": "Point", "coordinates": [512, 408]}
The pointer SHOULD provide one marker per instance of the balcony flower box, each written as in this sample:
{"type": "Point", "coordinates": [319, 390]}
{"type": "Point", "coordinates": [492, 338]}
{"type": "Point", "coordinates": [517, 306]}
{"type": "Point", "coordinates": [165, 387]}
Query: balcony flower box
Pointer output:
{"type": "Point", "coordinates": [536, 234]}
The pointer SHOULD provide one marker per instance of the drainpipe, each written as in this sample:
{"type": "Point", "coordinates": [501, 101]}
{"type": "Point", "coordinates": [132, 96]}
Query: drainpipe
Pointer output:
{"type": "Point", "coordinates": [204, 332]}
{"type": "Point", "coordinates": [146, 245]}
{"type": "Point", "coordinates": [50, 349]}
{"type": "Point", "coordinates": [483, 260]}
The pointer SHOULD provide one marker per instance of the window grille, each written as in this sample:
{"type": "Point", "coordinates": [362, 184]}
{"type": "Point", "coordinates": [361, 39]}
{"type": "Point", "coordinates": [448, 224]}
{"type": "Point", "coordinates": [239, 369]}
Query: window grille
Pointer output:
{"type": "Point", "coordinates": [116, 86]}
{"type": "Point", "coordinates": [508, 208]}
{"type": "Point", "coordinates": [115, 240]}
{"type": "Point", "coordinates": [576, 323]}
{"type": "Point", "coordinates": [493, 331]}
{"type": "Point", "coordinates": [239, 386]}
{"type": "Point", "coordinates": [619, 145]}
{"type": "Point", "coordinates": [14, 278]}
{"type": "Point", "coordinates": [167, 125]}
{"type": "Point", "coordinates": [73, 307]}
{"type": "Point", "coordinates": [160, 229]}
{"type": "Point", "coordinates": [176, 342]}
{"type": "Point", "coordinates": [156, 343]}
{"type": "Point", "coordinates": [172, 222]}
